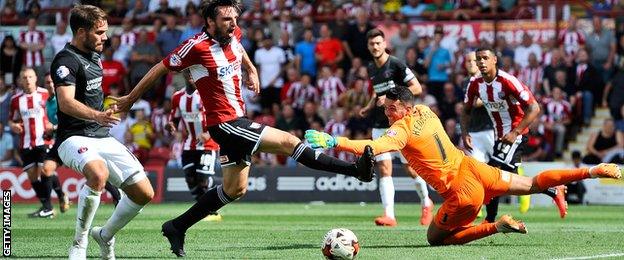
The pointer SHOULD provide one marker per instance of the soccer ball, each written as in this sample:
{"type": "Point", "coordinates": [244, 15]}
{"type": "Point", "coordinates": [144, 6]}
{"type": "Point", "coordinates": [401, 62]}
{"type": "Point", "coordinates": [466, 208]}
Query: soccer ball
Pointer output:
{"type": "Point", "coordinates": [340, 243]}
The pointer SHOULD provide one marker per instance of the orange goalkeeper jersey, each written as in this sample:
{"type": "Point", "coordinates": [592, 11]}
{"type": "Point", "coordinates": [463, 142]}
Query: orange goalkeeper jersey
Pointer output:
{"type": "Point", "coordinates": [423, 142]}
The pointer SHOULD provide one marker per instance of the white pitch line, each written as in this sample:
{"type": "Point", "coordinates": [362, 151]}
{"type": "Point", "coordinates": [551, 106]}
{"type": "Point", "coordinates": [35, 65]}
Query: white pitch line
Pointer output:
{"type": "Point", "coordinates": [591, 257]}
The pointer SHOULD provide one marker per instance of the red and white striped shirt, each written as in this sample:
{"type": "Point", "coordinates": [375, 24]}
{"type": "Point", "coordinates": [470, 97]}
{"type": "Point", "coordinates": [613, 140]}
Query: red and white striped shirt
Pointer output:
{"type": "Point", "coordinates": [30, 110]}
{"type": "Point", "coordinates": [190, 109]}
{"type": "Point", "coordinates": [299, 94]}
{"type": "Point", "coordinates": [504, 99]}
{"type": "Point", "coordinates": [128, 38]}
{"type": "Point", "coordinates": [331, 88]}
{"type": "Point", "coordinates": [33, 58]}
{"type": "Point", "coordinates": [533, 78]}
{"type": "Point", "coordinates": [336, 128]}
{"type": "Point", "coordinates": [571, 41]}
{"type": "Point", "coordinates": [557, 110]}
{"type": "Point", "coordinates": [216, 71]}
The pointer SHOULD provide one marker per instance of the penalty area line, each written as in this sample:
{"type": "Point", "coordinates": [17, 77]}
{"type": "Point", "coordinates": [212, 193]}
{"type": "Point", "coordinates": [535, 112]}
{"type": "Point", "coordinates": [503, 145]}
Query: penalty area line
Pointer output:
{"type": "Point", "coordinates": [590, 257]}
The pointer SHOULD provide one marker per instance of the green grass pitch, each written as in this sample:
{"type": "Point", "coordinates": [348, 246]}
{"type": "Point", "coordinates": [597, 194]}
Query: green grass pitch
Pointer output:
{"type": "Point", "coordinates": [295, 231]}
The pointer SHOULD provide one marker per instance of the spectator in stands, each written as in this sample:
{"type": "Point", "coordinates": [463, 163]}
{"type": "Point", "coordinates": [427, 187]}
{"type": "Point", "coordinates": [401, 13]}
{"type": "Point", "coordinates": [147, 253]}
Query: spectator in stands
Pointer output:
{"type": "Point", "coordinates": [503, 49]}
{"type": "Point", "coordinates": [536, 147]}
{"type": "Point", "coordinates": [509, 66]}
{"type": "Point", "coordinates": [168, 39]}
{"type": "Point", "coordinates": [139, 12]}
{"type": "Point", "coordinates": [613, 96]}
{"type": "Point", "coordinates": [194, 26]}
{"type": "Point", "coordinates": [437, 60]}
{"type": "Point", "coordinates": [413, 9]}
{"type": "Point", "coordinates": [521, 55]}
{"type": "Point", "coordinates": [493, 8]}
{"type": "Point", "coordinates": [452, 130]}
{"type": "Point", "coordinates": [60, 37]}
{"type": "Point", "coordinates": [301, 9]}
{"type": "Point", "coordinates": [288, 122]}
{"type": "Point", "coordinates": [354, 40]}
{"type": "Point", "coordinates": [113, 72]}
{"type": "Point", "coordinates": [32, 41]}
{"type": "Point", "coordinates": [5, 103]}
{"type": "Point", "coordinates": [325, 10]}
{"type": "Point", "coordinates": [10, 60]}
{"type": "Point", "coordinates": [306, 24]}
{"type": "Point", "coordinates": [144, 56]}
{"type": "Point", "coordinates": [253, 15]}
{"type": "Point", "coordinates": [328, 49]}
{"type": "Point", "coordinates": [128, 36]}
{"type": "Point", "coordinates": [163, 10]}
{"type": "Point", "coordinates": [439, 5]}
{"type": "Point", "coordinates": [400, 42]}
{"type": "Point", "coordinates": [305, 60]}
{"type": "Point", "coordinates": [557, 118]}
{"type": "Point", "coordinates": [142, 132]}
{"type": "Point", "coordinates": [355, 96]}
{"type": "Point", "coordinates": [448, 101]}
{"type": "Point", "coordinates": [556, 63]}
{"type": "Point", "coordinates": [153, 33]}
{"type": "Point", "coordinates": [119, 11]}
{"type": "Point", "coordinates": [337, 126]}
{"type": "Point", "coordinates": [425, 98]}
{"type": "Point", "coordinates": [301, 92]}
{"type": "Point", "coordinates": [310, 115]}
{"type": "Point", "coordinates": [6, 148]}
{"type": "Point", "coordinates": [288, 48]}
{"type": "Point", "coordinates": [269, 60]}
{"type": "Point", "coordinates": [602, 44]}
{"type": "Point", "coordinates": [33, 10]}
{"type": "Point", "coordinates": [9, 13]}
{"type": "Point", "coordinates": [330, 88]}
{"type": "Point", "coordinates": [533, 75]}
{"type": "Point", "coordinates": [466, 10]}
{"type": "Point", "coordinates": [572, 39]}
{"type": "Point", "coordinates": [121, 53]}
{"type": "Point", "coordinates": [284, 24]}
{"type": "Point", "coordinates": [159, 119]}
{"type": "Point", "coordinates": [339, 25]}
{"type": "Point", "coordinates": [605, 145]}
{"type": "Point", "coordinates": [619, 124]}
{"type": "Point", "coordinates": [351, 75]}
{"type": "Point", "coordinates": [189, 9]}
{"type": "Point", "coordinates": [588, 82]}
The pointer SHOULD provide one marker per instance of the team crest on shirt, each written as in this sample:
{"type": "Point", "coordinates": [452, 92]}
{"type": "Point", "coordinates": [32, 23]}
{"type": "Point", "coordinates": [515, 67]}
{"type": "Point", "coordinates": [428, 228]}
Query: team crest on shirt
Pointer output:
{"type": "Point", "coordinates": [391, 132]}
{"type": "Point", "coordinates": [501, 95]}
{"type": "Point", "coordinates": [223, 159]}
{"type": "Point", "coordinates": [255, 126]}
{"type": "Point", "coordinates": [175, 60]}
{"type": "Point", "coordinates": [62, 72]}
{"type": "Point", "coordinates": [82, 150]}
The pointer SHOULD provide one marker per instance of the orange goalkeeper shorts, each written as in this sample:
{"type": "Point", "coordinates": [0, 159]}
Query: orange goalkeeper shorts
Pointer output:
{"type": "Point", "coordinates": [476, 184]}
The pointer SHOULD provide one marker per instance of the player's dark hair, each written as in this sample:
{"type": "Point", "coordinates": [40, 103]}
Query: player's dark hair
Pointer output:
{"type": "Point", "coordinates": [486, 48]}
{"type": "Point", "coordinates": [85, 16]}
{"type": "Point", "coordinates": [210, 8]}
{"type": "Point", "coordinates": [402, 94]}
{"type": "Point", "coordinates": [372, 33]}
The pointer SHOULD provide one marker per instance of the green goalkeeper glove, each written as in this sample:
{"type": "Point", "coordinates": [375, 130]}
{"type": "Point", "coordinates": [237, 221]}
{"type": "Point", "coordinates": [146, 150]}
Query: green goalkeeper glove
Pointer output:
{"type": "Point", "coordinates": [320, 139]}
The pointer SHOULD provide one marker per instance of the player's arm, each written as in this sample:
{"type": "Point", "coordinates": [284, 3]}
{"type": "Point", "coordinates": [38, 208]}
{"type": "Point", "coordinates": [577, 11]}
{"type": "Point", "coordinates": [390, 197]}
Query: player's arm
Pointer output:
{"type": "Point", "coordinates": [153, 75]}
{"type": "Point", "coordinates": [394, 139]}
{"type": "Point", "coordinates": [252, 81]}
{"type": "Point", "coordinates": [369, 105]}
{"type": "Point", "coordinates": [174, 115]}
{"type": "Point", "coordinates": [531, 112]}
{"type": "Point", "coordinates": [14, 114]}
{"type": "Point", "coordinates": [70, 106]}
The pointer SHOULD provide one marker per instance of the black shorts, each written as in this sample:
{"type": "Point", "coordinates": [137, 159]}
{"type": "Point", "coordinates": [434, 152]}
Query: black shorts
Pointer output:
{"type": "Point", "coordinates": [508, 157]}
{"type": "Point", "coordinates": [53, 155]}
{"type": "Point", "coordinates": [198, 161]}
{"type": "Point", "coordinates": [33, 156]}
{"type": "Point", "coordinates": [238, 140]}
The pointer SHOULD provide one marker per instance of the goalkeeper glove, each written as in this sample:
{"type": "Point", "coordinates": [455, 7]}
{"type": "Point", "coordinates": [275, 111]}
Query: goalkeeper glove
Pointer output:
{"type": "Point", "coordinates": [320, 139]}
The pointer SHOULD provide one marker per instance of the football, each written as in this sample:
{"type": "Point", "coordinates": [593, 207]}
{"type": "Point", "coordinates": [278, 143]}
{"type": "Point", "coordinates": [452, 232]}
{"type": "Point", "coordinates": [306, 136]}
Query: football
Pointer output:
{"type": "Point", "coordinates": [340, 243]}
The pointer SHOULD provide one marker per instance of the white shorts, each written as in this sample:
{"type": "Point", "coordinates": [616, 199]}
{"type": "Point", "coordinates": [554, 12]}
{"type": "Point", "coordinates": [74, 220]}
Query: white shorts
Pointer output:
{"type": "Point", "coordinates": [123, 167]}
{"type": "Point", "coordinates": [378, 132]}
{"type": "Point", "coordinates": [482, 145]}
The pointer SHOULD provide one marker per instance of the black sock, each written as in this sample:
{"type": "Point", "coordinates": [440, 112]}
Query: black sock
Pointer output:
{"type": "Point", "coordinates": [43, 188]}
{"type": "Point", "coordinates": [209, 202]}
{"type": "Point", "coordinates": [114, 192]}
{"type": "Point", "coordinates": [306, 156]}
{"type": "Point", "coordinates": [492, 210]}
{"type": "Point", "coordinates": [56, 186]}
{"type": "Point", "coordinates": [552, 192]}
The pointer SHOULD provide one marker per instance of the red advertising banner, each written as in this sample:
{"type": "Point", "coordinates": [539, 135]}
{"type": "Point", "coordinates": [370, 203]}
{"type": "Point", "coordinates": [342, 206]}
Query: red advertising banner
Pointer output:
{"type": "Point", "coordinates": [16, 180]}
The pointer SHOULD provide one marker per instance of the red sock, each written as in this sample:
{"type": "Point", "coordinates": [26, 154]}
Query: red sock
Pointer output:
{"type": "Point", "coordinates": [552, 178]}
{"type": "Point", "coordinates": [467, 234]}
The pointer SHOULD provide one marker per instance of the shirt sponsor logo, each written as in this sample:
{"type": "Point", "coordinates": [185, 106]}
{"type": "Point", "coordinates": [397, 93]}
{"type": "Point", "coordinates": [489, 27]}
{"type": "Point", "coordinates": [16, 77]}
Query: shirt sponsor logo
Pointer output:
{"type": "Point", "coordinates": [226, 72]}
{"type": "Point", "coordinates": [94, 83]}
{"type": "Point", "coordinates": [62, 72]}
{"type": "Point", "coordinates": [191, 117]}
{"type": "Point", "coordinates": [496, 106]}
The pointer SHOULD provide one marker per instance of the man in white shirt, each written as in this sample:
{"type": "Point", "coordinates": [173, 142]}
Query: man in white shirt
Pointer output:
{"type": "Point", "coordinates": [269, 60]}
{"type": "Point", "coordinates": [521, 56]}
{"type": "Point", "coordinates": [61, 37]}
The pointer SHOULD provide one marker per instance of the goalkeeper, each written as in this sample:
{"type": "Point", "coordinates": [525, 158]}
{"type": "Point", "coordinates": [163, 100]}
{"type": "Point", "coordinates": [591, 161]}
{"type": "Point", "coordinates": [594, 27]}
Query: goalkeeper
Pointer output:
{"type": "Point", "coordinates": [462, 181]}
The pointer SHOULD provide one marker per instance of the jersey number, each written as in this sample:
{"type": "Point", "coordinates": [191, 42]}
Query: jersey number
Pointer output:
{"type": "Point", "coordinates": [440, 147]}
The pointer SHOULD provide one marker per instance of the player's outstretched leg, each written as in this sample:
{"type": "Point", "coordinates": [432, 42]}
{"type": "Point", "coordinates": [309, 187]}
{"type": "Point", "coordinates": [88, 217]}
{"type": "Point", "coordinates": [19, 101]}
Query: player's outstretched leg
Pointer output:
{"type": "Point", "coordinates": [463, 235]}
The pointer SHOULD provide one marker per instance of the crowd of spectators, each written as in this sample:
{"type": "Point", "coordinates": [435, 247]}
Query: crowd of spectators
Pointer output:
{"type": "Point", "coordinates": [312, 58]}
